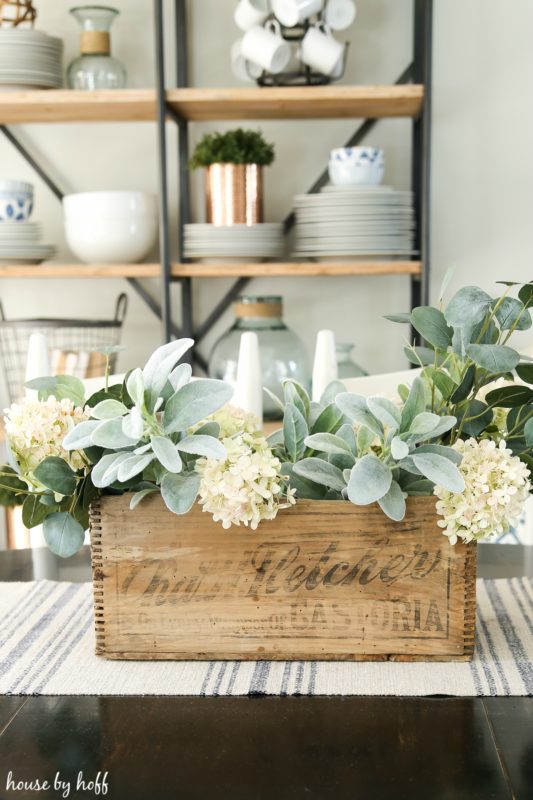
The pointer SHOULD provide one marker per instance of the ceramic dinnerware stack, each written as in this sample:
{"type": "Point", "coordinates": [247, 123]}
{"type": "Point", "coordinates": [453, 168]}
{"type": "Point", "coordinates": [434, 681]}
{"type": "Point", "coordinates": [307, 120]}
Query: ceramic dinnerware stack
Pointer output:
{"type": "Point", "coordinates": [343, 223]}
{"type": "Point", "coordinates": [233, 243]}
{"type": "Point", "coordinates": [19, 237]}
{"type": "Point", "coordinates": [30, 59]}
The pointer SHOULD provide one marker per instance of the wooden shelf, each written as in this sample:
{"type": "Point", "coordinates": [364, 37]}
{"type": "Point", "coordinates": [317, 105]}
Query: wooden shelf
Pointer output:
{"type": "Point", "coordinates": [268, 269]}
{"type": "Point", "coordinates": [65, 105]}
{"type": "Point", "coordinates": [138, 105]}
{"type": "Point", "coordinates": [307, 102]}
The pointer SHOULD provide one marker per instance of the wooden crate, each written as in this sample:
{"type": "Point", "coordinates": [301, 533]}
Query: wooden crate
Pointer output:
{"type": "Point", "coordinates": [324, 580]}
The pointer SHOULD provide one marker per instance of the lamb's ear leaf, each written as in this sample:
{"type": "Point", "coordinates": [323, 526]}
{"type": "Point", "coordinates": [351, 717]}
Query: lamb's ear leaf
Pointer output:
{"type": "Point", "coordinates": [160, 364]}
{"type": "Point", "coordinates": [295, 431]}
{"type": "Point", "coordinates": [194, 402]}
{"type": "Point", "coordinates": [322, 472]}
{"type": "Point", "coordinates": [415, 403]}
{"type": "Point", "coordinates": [439, 470]}
{"type": "Point", "coordinates": [370, 480]}
{"type": "Point", "coordinates": [180, 491]}
{"type": "Point", "coordinates": [393, 503]}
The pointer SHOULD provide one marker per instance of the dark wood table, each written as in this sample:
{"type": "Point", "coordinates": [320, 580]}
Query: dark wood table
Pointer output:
{"type": "Point", "coordinates": [202, 748]}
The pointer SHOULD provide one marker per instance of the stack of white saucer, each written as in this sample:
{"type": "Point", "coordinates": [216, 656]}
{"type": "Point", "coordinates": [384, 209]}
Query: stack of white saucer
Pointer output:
{"type": "Point", "coordinates": [30, 60]}
{"type": "Point", "coordinates": [20, 243]}
{"type": "Point", "coordinates": [233, 243]}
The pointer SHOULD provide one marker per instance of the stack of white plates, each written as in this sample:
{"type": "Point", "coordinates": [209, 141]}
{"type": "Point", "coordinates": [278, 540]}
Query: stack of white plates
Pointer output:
{"type": "Point", "coordinates": [30, 60]}
{"type": "Point", "coordinates": [19, 244]}
{"type": "Point", "coordinates": [233, 243]}
{"type": "Point", "coordinates": [347, 222]}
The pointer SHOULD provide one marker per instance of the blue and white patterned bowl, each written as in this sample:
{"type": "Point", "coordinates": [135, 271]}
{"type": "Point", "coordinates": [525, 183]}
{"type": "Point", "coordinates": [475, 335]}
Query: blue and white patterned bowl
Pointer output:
{"type": "Point", "coordinates": [362, 166]}
{"type": "Point", "coordinates": [16, 201]}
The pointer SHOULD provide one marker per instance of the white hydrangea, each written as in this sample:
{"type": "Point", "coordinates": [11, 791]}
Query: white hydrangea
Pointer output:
{"type": "Point", "coordinates": [246, 487]}
{"type": "Point", "coordinates": [232, 420]}
{"type": "Point", "coordinates": [496, 488]}
{"type": "Point", "coordinates": [36, 428]}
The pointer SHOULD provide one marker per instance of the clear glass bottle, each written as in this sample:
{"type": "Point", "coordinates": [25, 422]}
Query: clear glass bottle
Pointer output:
{"type": "Point", "coordinates": [347, 368]}
{"type": "Point", "coordinates": [281, 352]}
{"type": "Point", "coordinates": [95, 68]}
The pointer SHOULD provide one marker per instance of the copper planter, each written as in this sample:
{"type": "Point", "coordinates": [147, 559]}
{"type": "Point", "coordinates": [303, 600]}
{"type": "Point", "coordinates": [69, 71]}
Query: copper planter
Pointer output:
{"type": "Point", "coordinates": [234, 194]}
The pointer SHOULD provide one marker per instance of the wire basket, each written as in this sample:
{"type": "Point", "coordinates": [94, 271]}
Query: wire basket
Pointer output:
{"type": "Point", "coordinates": [16, 12]}
{"type": "Point", "coordinates": [73, 345]}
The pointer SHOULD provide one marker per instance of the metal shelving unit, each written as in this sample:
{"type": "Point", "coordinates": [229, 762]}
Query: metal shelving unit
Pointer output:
{"type": "Point", "coordinates": [409, 96]}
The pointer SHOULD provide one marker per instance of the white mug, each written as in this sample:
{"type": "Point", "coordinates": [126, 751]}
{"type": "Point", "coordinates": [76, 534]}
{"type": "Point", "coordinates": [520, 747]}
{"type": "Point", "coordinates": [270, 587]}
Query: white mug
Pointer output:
{"type": "Point", "coordinates": [321, 51]}
{"type": "Point", "coordinates": [266, 47]}
{"type": "Point", "coordinates": [339, 14]}
{"type": "Point", "coordinates": [294, 12]}
{"type": "Point", "coordinates": [242, 69]}
{"type": "Point", "coordinates": [251, 12]}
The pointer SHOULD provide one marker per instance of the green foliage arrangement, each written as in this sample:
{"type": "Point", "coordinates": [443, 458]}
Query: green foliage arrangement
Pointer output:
{"type": "Point", "coordinates": [232, 147]}
{"type": "Point", "coordinates": [462, 431]}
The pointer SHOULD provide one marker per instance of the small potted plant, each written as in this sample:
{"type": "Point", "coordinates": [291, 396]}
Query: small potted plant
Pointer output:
{"type": "Point", "coordinates": [234, 163]}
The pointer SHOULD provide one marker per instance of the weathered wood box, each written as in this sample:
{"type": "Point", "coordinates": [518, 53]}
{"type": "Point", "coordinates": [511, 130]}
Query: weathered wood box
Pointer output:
{"type": "Point", "coordinates": [324, 580]}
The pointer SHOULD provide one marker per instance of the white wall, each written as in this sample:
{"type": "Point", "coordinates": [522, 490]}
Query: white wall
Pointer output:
{"type": "Point", "coordinates": [481, 177]}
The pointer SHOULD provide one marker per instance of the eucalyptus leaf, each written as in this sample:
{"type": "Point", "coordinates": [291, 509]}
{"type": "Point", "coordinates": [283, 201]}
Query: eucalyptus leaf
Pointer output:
{"type": "Point", "coordinates": [34, 512]}
{"type": "Point", "coordinates": [432, 326]}
{"type": "Point", "coordinates": [109, 409]}
{"type": "Point", "coordinates": [393, 503]}
{"type": "Point", "coordinates": [194, 402]}
{"type": "Point", "coordinates": [525, 372]}
{"type": "Point", "coordinates": [495, 358]}
{"type": "Point", "coordinates": [295, 431]}
{"type": "Point", "coordinates": [528, 432]}
{"type": "Point", "coordinates": [402, 317]}
{"type": "Point", "coordinates": [64, 536]}
{"type": "Point", "coordinates": [180, 491]}
{"type": "Point", "coordinates": [200, 445]}
{"type": "Point", "coordinates": [419, 356]}
{"type": "Point", "coordinates": [525, 295]}
{"type": "Point", "coordinates": [440, 470]}
{"type": "Point", "coordinates": [448, 275]}
{"type": "Point", "coordinates": [385, 411]}
{"type": "Point", "coordinates": [55, 474]}
{"type": "Point", "coordinates": [319, 471]}
{"type": "Point", "coordinates": [511, 313]}
{"type": "Point", "coordinates": [467, 307]}
{"type": "Point", "coordinates": [475, 417]}
{"type": "Point", "coordinates": [442, 381]}
{"type": "Point", "coordinates": [465, 387]}
{"type": "Point", "coordinates": [510, 396]}
{"type": "Point", "coordinates": [370, 480]}
{"type": "Point", "coordinates": [62, 387]}
{"type": "Point", "coordinates": [109, 434]}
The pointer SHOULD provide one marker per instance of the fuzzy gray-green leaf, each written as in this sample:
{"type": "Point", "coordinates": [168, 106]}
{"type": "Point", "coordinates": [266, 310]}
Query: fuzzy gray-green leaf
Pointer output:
{"type": "Point", "coordinates": [322, 472]}
{"type": "Point", "coordinates": [370, 480]}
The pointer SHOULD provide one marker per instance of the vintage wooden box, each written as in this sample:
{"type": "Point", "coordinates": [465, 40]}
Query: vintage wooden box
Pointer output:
{"type": "Point", "coordinates": [324, 580]}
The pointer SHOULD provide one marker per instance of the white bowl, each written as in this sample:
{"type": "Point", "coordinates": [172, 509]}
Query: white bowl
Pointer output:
{"type": "Point", "coordinates": [111, 240]}
{"type": "Point", "coordinates": [359, 173]}
{"type": "Point", "coordinates": [109, 204]}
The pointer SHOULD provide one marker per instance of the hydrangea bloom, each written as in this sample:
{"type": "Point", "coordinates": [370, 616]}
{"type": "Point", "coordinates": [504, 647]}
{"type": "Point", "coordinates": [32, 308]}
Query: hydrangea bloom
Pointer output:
{"type": "Point", "coordinates": [497, 487]}
{"type": "Point", "coordinates": [246, 487]}
{"type": "Point", "coordinates": [36, 429]}
{"type": "Point", "coordinates": [232, 420]}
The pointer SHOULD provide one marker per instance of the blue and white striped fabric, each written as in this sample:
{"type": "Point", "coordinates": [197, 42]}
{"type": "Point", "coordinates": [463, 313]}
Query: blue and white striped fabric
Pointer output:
{"type": "Point", "coordinates": [47, 647]}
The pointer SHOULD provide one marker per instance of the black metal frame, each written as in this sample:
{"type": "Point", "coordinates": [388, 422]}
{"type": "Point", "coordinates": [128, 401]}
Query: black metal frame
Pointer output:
{"type": "Point", "coordinates": [419, 71]}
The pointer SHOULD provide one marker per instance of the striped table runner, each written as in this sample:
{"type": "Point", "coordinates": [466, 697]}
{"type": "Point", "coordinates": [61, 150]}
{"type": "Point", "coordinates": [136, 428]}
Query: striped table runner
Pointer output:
{"type": "Point", "coordinates": [47, 647]}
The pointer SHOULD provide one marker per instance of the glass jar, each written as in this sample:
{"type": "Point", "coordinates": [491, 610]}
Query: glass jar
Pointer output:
{"type": "Point", "coordinates": [281, 352]}
{"type": "Point", "coordinates": [347, 368]}
{"type": "Point", "coordinates": [95, 68]}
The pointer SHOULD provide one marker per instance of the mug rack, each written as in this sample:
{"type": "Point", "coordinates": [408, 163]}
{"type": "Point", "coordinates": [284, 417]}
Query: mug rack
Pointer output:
{"type": "Point", "coordinates": [305, 76]}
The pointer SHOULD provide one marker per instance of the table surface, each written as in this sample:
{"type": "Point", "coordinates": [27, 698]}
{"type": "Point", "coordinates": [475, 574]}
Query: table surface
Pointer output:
{"type": "Point", "coordinates": [204, 748]}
